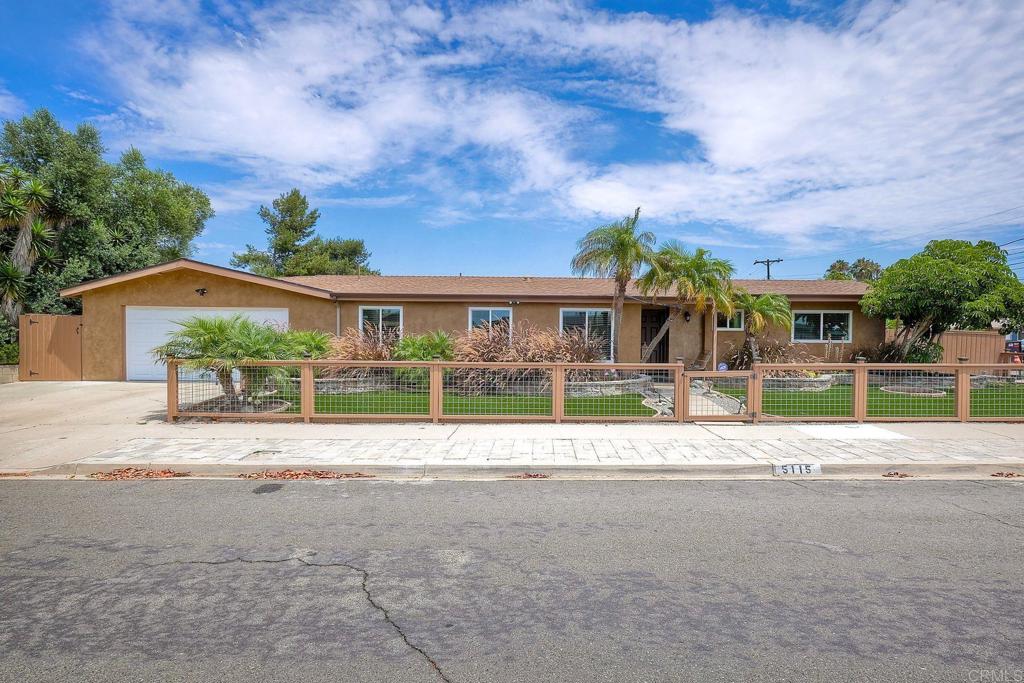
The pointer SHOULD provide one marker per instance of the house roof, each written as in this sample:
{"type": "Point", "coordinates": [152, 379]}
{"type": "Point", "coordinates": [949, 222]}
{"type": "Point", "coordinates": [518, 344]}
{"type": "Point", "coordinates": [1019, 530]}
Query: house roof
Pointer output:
{"type": "Point", "coordinates": [199, 266]}
{"type": "Point", "coordinates": [468, 288]}
{"type": "Point", "coordinates": [529, 287]}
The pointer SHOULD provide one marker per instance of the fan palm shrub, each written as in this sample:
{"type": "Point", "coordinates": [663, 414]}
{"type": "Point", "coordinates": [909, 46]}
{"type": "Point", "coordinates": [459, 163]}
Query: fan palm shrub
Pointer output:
{"type": "Point", "coordinates": [222, 345]}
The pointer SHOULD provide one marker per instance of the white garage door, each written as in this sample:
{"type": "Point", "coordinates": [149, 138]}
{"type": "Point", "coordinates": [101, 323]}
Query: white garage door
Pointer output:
{"type": "Point", "coordinates": [147, 327]}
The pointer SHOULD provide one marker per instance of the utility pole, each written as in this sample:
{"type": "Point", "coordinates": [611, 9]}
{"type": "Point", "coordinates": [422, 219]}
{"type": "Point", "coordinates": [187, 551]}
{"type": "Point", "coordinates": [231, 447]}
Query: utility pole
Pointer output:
{"type": "Point", "coordinates": [768, 264]}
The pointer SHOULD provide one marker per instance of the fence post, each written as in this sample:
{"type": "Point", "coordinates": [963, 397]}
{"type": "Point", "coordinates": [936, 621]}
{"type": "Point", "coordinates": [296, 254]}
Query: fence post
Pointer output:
{"type": "Point", "coordinates": [558, 392]}
{"type": "Point", "coordinates": [860, 391]}
{"type": "Point", "coordinates": [682, 392]}
{"type": "Point", "coordinates": [963, 392]}
{"type": "Point", "coordinates": [754, 392]}
{"type": "Point", "coordinates": [436, 390]}
{"type": "Point", "coordinates": [172, 389]}
{"type": "Point", "coordinates": [306, 390]}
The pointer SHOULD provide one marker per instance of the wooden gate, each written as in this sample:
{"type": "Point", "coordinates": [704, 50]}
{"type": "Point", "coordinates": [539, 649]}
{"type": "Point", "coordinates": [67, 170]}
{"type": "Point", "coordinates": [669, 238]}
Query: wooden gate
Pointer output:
{"type": "Point", "coordinates": [51, 347]}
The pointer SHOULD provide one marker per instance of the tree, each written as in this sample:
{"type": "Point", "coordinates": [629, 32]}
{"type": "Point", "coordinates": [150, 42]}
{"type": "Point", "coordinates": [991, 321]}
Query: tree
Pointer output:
{"type": "Point", "coordinates": [293, 248]}
{"type": "Point", "coordinates": [101, 218]}
{"type": "Point", "coordinates": [862, 270]}
{"type": "Point", "coordinates": [23, 201]}
{"type": "Point", "coordinates": [759, 313]}
{"type": "Point", "coordinates": [618, 251]}
{"type": "Point", "coordinates": [949, 284]}
{"type": "Point", "coordinates": [696, 278]}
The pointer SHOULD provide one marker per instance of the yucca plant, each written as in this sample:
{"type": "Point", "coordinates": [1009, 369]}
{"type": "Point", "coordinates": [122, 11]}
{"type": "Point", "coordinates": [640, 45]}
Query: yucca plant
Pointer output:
{"type": "Point", "coordinates": [223, 345]}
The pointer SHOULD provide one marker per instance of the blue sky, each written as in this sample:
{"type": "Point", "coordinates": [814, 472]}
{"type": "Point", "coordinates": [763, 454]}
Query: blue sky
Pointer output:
{"type": "Point", "coordinates": [485, 138]}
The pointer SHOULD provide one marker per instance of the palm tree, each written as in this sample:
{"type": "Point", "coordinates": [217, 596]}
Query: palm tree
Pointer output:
{"type": "Point", "coordinates": [695, 278]}
{"type": "Point", "coordinates": [222, 345]}
{"type": "Point", "coordinates": [23, 200]}
{"type": "Point", "coordinates": [12, 288]}
{"type": "Point", "coordinates": [616, 251]}
{"type": "Point", "coordinates": [759, 313]}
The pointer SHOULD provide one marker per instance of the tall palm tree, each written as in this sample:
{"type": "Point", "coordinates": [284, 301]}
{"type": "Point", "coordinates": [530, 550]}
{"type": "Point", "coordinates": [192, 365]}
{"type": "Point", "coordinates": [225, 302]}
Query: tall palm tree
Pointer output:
{"type": "Point", "coordinates": [618, 251]}
{"type": "Point", "coordinates": [696, 278]}
{"type": "Point", "coordinates": [759, 313]}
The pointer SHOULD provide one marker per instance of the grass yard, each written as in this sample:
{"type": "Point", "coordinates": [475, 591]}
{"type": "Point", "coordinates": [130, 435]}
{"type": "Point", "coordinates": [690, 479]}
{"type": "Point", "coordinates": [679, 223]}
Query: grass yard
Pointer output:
{"type": "Point", "coordinates": [417, 403]}
{"type": "Point", "coordinates": [837, 401]}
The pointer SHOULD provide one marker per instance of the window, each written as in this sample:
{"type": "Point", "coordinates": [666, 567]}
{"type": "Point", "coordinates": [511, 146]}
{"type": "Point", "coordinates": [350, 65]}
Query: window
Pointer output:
{"type": "Point", "coordinates": [487, 317]}
{"type": "Point", "coordinates": [595, 322]}
{"type": "Point", "coordinates": [386, 321]}
{"type": "Point", "coordinates": [733, 323]}
{"type": "Point", "coordinates": [822, 326]}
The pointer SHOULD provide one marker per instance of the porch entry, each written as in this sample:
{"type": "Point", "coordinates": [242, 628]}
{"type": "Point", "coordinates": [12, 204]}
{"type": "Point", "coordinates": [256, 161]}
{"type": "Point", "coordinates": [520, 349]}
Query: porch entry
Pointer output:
{"type": "Point", "coordinates": [651, 320]}
{"type": "Point", "coordinates": [50, 347]}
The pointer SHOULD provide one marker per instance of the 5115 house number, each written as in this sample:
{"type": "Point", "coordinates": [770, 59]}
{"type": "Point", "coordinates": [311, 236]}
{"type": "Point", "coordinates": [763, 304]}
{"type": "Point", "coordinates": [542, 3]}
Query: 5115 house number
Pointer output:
{"type": "Point", "coordinates": [781, 470]}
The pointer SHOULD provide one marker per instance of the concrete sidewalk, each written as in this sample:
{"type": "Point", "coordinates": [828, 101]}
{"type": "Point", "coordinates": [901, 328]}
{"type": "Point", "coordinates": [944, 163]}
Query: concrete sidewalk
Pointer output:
{"type": "Point", "coordinates": [83, 427]}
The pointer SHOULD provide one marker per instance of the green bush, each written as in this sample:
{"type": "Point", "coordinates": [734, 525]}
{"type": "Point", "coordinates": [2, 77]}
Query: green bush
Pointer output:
{"type": "Point", "coordinates": [8, 354]}
{"type": "Point", "coordinates": [437, 344]}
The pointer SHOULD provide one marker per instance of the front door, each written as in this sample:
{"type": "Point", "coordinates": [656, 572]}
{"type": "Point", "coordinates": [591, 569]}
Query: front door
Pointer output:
{"type": "Point", "coordinates": [651, 320]}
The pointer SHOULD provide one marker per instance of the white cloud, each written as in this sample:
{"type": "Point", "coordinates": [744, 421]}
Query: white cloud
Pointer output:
{"type": "Point", "coordinates": [9, 104]}
{"type": "Point", "coordinates": [901, 119]}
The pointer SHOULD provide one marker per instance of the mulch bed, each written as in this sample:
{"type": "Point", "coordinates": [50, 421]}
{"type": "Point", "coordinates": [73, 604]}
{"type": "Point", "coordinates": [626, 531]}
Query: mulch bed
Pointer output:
{"type": "Point", "coordinates": [304, 474]}
{"type": "Point", "coordinates": [137, 473]}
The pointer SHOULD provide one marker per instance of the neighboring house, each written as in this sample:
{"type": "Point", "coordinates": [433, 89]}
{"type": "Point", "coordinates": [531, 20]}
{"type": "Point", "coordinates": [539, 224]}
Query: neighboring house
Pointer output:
{"type": "Point", "coordinates": [124, 316]}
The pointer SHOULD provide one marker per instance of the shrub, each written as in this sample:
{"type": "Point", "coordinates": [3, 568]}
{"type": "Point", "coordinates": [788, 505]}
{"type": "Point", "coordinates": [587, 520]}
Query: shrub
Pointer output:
{"type": "Point", "coordinates": [527, 345]}
{"type": "Point", "coordinates": [356, 345]}
{"type": "Point", "coordinates": [8, 354]}
{"type": "Point", "coordinates": [437, 344]}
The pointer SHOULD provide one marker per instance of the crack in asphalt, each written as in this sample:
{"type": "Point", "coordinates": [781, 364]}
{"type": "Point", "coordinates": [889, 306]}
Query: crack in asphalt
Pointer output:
{"type": "Point", "coordinates": [364, 585]}
{"type": "Point", "coordinates": [984, 514]}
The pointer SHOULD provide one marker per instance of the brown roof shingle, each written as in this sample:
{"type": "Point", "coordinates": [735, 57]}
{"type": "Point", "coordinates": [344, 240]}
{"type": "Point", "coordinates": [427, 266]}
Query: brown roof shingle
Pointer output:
{"type": "Point", "coordinates": [527, 287]}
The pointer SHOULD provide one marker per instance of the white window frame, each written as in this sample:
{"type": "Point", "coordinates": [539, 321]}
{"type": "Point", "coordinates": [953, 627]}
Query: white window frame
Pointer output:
{"type": "Point", "coordinates": [611, 319]}
{"type": "Point", "coordinates": [821, 327]}
{"type": "Point", "coordinates": [490, 321]}
{"type": "Point", "coordinates": [728, 319]}
{"type": "Point", "coordinates": [380, 330]}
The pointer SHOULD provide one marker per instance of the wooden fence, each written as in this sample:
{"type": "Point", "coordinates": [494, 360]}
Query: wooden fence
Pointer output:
{"type": "Point", "coordinates": [977, 346]}
{"type": "Point", "coordinates": [595, 392]}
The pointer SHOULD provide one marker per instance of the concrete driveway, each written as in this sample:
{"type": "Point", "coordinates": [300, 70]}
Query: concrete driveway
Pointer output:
{"type": "Point", "coordinates": [49, 423]}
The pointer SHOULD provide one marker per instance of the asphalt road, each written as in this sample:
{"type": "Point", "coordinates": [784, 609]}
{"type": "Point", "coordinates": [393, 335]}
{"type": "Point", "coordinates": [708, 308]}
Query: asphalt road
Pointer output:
{"type": "Point", "coordinates": [511, 581]}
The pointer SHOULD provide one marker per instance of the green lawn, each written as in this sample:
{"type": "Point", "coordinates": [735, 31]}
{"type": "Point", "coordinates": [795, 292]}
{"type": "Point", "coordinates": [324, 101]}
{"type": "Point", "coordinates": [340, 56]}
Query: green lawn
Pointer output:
{"type": "Point", "coordinates": [417, 403]}
{"type": "Point", "coordinates": [837, 401]}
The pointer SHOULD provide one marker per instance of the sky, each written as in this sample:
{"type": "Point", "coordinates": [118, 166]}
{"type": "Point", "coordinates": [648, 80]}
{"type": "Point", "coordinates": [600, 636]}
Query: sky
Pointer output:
{"type": "Point", "coordinates": [486, 138]}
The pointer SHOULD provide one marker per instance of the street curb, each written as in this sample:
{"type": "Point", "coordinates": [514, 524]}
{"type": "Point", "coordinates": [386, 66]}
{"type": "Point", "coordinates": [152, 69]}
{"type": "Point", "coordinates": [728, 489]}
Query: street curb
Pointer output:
{"type": "Point", "coordinates": [724, 471]}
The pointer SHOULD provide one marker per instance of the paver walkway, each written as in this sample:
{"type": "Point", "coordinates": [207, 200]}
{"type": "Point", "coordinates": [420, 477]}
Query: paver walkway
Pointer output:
{"type": "Point", "coordinates": [546, 452]}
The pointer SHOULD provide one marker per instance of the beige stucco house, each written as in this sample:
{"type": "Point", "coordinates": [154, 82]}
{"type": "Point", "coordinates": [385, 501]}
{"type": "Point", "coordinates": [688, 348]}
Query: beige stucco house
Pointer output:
{"type": "Point", "coordinates": [124, 316]}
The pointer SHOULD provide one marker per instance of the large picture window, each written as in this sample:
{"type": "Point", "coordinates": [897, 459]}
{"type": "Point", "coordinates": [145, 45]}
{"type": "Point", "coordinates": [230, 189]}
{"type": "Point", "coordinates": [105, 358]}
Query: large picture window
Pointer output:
{"type": "Point", "coordinates": [822, 326]}
{"type": "Point", "coordinates": [733, 323]}
{"type": "Point", "coordinates": [595, 322]}
{"type": "Point", "coordinates": [385, 321]}
{"type": "Point", "coordinates": [488, 317]}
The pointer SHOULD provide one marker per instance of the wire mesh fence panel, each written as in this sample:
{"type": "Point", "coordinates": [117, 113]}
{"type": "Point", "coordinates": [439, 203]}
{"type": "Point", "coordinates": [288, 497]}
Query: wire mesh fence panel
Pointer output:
{"type": "Point", "coordinates": [497, 391]}
{"type": "Point", "coordinates": [911, 393]}
{"type": "Point", "coordinates": [371, 391]}
{"type": "Point", "coordinates": [997, 392]}
{"type": "Point", "coordinates": [807, 393]}
{"type": "Point", "coordinates": [639, 393]}
{"type": "Point", "coordinates": [252, 391]}
{"type": "Point", "coordinates": [722, 396]}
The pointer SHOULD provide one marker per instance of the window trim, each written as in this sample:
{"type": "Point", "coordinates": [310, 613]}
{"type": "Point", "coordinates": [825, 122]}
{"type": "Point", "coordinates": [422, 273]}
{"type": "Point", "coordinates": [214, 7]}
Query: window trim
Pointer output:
{"type": "Point", "coordinates": [742, 326]}
{"type": "Point", "coordinates": [821, 327]}
{"type": "Point", "coordinates": [611, 323]}
{"type": "Point", "coordinates": [401, 318]}
{"type": "Point", "coordinates": [469, 316]}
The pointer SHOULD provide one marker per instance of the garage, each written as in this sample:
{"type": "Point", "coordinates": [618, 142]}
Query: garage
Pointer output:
{"type": "Point", "coordinates": [146, 327]}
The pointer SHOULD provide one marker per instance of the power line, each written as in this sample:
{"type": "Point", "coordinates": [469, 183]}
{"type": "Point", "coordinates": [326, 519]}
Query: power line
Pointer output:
{"type": "Point", "coordinates": [768, 264]}
{"type": "Point", "coordinates": [922, 234]}
{"type": "Point", "coordinates": [1019, 239]}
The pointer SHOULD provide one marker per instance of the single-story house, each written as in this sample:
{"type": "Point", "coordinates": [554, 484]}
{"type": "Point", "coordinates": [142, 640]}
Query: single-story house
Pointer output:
{"type": "Point", "coordinates": [125, 316]}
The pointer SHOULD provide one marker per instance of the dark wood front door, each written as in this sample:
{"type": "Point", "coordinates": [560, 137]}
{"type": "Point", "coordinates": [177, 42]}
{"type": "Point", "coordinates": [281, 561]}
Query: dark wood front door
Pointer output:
{"type": "Point", "coordinates": [651, 320]}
